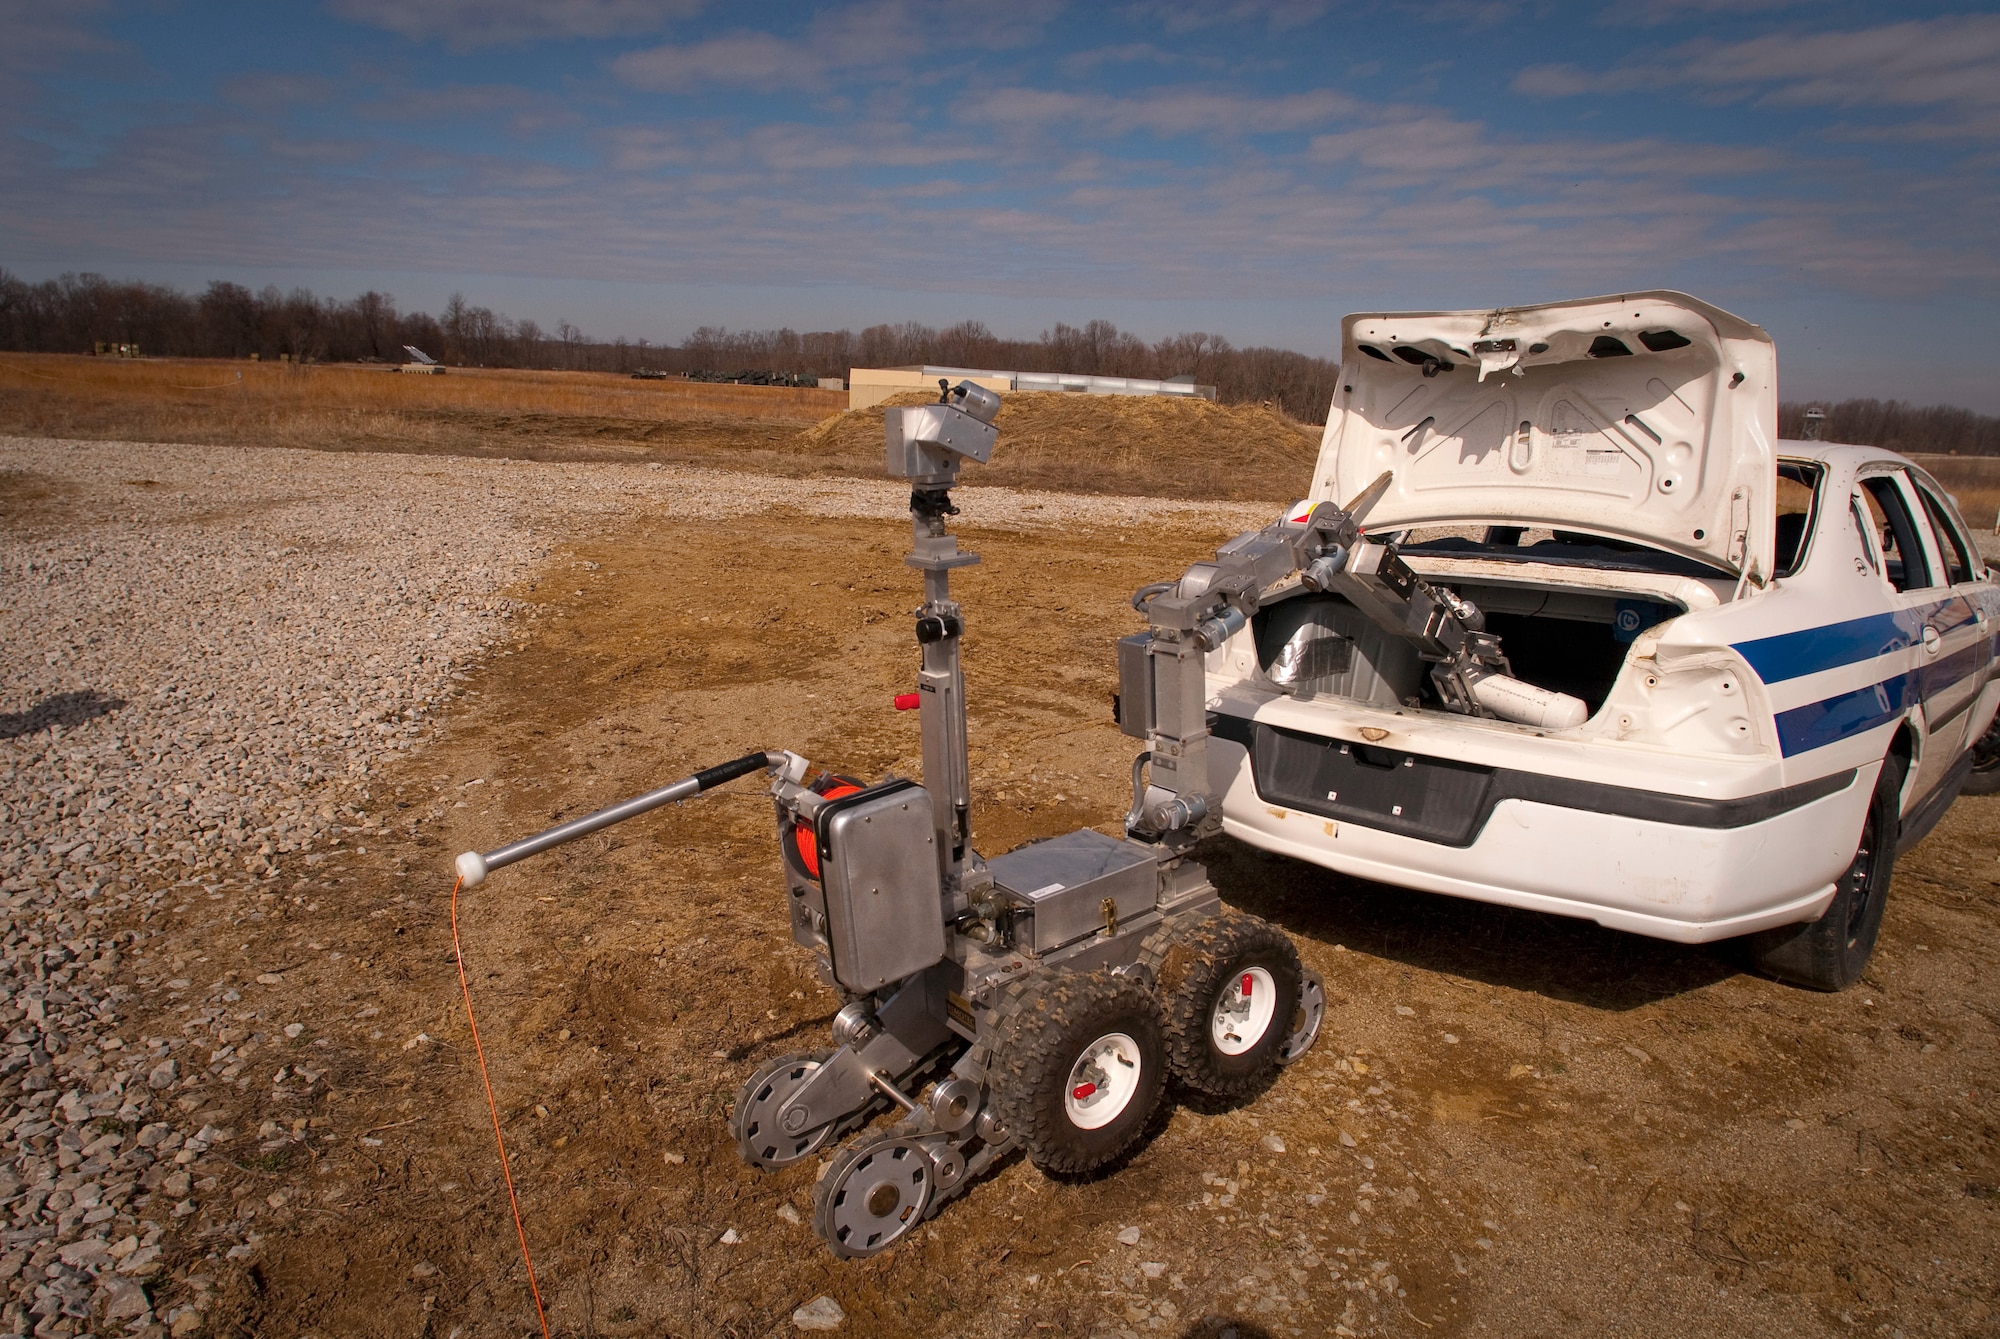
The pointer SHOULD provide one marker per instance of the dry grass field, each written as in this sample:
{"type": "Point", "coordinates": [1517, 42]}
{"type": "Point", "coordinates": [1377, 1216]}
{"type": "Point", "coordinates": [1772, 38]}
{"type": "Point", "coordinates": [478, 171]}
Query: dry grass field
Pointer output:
{"type": "Point", "coordinates": [1142, 446]}
{"type": "Point", "coordinates": [469, 411]}
{"type": "Point", "coordinates": [1974, 481]}
{"type": "Point", "coordinates": [1088, 444]}
{"type": "Point", "coordinates": [1084, 444]}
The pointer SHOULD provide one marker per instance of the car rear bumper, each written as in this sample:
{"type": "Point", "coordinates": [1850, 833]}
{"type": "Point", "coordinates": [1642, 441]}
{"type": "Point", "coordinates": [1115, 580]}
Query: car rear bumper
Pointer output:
{"type": "Point", "coordinates": [1716, 873]}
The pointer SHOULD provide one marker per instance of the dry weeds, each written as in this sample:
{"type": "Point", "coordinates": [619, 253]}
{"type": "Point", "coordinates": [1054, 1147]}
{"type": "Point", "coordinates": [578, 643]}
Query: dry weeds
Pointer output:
{"type": "Point", "coordinates": [1072, 443]}
{"type": "Point", "coordinates": [1122, 445]}
{"type": "Point", "coordinates": [476, 411]}
{"type": "Point", "coordinates": [1144, 446]}
{"type": "Point", "coordinates": [1974, 482]}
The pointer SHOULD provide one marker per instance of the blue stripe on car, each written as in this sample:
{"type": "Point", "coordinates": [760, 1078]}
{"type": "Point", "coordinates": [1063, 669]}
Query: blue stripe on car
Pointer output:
{"type": "Point", "coordinates": [1817, 724]}
{"type": "Point", "coordinates": [1829, 720]}
{"type": "Point", "coordinates": [1792, 655]}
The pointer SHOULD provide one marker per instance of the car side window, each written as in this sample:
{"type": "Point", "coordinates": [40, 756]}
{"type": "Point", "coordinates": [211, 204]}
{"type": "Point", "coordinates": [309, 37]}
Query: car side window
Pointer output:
{"type": "Point", "coordinates": [1903, 559]}
{"type": "Point", "coordinates": [1952, 544]}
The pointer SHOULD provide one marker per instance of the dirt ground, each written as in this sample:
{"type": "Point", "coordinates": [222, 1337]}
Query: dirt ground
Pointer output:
{"type": "Point", "coordinates": [1513, 1124]}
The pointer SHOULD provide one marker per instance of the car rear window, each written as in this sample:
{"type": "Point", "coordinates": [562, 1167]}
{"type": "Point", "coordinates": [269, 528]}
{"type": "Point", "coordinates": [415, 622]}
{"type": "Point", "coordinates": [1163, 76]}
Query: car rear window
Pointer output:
{"type": "Point", "coordinates": [1565, 548]}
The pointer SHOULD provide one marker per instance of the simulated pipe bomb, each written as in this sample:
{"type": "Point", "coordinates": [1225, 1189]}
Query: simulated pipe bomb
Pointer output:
{"type": "Point", "coordinates": [1040, 999]}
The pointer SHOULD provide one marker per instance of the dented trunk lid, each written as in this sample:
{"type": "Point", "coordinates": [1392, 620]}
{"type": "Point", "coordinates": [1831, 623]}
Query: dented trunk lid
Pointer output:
{"type": "Point", "coordinates": [1649, 417]}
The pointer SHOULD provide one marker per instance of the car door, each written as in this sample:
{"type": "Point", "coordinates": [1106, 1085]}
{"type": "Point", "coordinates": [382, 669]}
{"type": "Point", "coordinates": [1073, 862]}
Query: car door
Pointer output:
{"type": "Point", "coordinates": [1958, 642]}
{"type": "Point", "coordinates": [1907, 564]}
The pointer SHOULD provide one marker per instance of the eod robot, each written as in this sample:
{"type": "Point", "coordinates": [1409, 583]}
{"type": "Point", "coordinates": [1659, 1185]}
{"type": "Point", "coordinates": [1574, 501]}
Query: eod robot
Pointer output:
{"type": "Point", "coordinates": [1039, 999]}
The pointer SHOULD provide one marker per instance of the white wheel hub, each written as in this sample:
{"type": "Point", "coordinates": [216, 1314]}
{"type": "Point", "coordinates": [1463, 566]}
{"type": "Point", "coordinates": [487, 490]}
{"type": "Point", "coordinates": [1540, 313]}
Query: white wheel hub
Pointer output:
{"type": "Point", "coordinates": [1243, 1011]}
{"type": "Point", "coordinates": [1102, 1081]}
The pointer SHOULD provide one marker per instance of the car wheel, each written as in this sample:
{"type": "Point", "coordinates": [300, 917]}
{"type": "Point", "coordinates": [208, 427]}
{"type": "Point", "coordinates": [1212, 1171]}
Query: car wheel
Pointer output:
{"type": "Point", "coordinates": [1832, 952]}
{"type": "Point", "coordinates": [1984, 778]}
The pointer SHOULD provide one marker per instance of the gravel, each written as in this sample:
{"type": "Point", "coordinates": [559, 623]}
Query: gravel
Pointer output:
{"type": "Point", "coordinates": [207, 652]}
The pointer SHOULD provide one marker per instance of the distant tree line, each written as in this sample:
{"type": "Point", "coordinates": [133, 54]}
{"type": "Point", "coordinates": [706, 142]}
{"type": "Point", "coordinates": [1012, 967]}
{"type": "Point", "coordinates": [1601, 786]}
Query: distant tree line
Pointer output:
{"type": "Point", "coordinates": [73, 313]}
{"type": "Point", "coordinates": [1897, 426]}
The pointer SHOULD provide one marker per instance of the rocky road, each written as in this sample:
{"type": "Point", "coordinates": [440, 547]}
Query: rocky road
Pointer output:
{"type": "Point", "coordinates": [207, 652]}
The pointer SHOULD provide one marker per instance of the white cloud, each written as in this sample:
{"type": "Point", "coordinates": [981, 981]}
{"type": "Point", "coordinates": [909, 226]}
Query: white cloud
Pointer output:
{"type": "Point", "coordinates": [1186, 112]}
{"type": "Point", "coordinates": [470, 23]}
{"type": "Point", "coordinates": [736, 60]}
{"type": "Point", "coordinates": [274, 92]}
{"type": "Point", "coordinates": [41, 37]}
{"type": "Point", "coordinates": [1464, 155]}
{"type": "Point", "coordinates": [1426, 204]}
{"type": "Point", "coordinates": [1931, 64]}
{"type": "Point", "coordinates": [1654, 13]}
{"type": "Point", "coordinates": [898, 39]}
{"type": "Point", "coordinates": [1276, 15]}
{"type": "Point", "coordinates": [523, 111]}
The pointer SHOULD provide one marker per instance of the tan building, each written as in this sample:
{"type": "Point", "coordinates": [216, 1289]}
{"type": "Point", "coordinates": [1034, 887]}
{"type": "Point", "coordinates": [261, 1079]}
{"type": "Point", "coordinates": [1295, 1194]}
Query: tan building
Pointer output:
{"type": "Point", "coordinates": [872, 385]}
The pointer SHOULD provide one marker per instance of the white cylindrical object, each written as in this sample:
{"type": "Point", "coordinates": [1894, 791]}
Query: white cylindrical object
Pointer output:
{"type": "Point", "coordinates": [472, 869]}
{"type": "Point", "coordinates": [1523, 703]}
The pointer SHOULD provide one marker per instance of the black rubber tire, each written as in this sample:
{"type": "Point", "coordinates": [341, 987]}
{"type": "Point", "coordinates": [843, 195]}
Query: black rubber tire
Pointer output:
{"type": "Point", "coordinates": [1832, 952]}
{"type": "Point", "coordinates": [1043, 1034]}
{"type": "Point", "coordinates": [1984, 778]}
{"type": "Point", "coordinates": [1203, 962]}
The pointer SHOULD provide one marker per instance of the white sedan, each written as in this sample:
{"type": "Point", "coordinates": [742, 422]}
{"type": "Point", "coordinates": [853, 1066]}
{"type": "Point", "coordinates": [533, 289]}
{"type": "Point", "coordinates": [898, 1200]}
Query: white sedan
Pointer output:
{"type": "Point", "coordinates": [1784, 650]}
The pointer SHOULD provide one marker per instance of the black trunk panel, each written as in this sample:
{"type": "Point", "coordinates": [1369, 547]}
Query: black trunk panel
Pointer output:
{"type": "Point", "coordinates": [1431, 798]}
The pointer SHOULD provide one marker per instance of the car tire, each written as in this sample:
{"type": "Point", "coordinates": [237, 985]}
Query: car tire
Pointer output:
{"type": "Point", "coordinates": [1078, 1069]}
{"type": "Point", "coordinates": [1984, 778]}
{"type": "Point", "coordinates": [1222, 1040]}
{"type": "Point", "coordinates": [1832, 952]}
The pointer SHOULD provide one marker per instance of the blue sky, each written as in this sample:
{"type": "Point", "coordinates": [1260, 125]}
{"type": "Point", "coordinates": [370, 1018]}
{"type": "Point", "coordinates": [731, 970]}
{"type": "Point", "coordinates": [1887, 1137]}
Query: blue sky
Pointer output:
{"type": "Point", "coordinates": [641, 167]}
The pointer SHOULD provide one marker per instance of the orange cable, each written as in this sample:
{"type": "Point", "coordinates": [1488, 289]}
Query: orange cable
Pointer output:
{"type": "Point", "coordinates": [506, 1174]}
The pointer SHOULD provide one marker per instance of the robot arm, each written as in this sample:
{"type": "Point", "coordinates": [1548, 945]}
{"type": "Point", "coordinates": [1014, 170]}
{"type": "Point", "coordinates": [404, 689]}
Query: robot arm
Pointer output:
{"type": "Point", "coordinates": [1163, 693]}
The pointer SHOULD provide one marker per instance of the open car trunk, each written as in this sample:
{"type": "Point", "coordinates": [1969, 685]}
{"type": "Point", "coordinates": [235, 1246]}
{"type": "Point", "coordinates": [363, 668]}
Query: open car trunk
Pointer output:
{"type": "Point", "coordinates": [1568, 638]}
{"type": "Point", "coordinates": [1649, 418]}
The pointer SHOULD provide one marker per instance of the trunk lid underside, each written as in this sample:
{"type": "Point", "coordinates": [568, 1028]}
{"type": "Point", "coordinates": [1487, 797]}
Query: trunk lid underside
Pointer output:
{"type": "Point", "coordinates": [1649, 417]}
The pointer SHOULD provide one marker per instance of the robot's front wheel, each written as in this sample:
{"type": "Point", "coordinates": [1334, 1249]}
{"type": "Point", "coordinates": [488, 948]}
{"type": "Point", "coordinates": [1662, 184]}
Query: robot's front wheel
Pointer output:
{"type": "Point", "coordinates": [1231, 993]}
{"type": "Point", "coordinates": [763, 1095]}
{"type": "Point", "coordinates": [872, 1193]}
{"type": "Point", "coordinates": [1078, 1068]}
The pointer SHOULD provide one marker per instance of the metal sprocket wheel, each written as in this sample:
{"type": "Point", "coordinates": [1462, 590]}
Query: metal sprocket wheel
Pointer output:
{"type": "Point", "coordinates": [1306, 1019]}
{"type": "Point", "coordinates": [873, 1192]}
{"type": "Point", "coordinates": [754, 1122]}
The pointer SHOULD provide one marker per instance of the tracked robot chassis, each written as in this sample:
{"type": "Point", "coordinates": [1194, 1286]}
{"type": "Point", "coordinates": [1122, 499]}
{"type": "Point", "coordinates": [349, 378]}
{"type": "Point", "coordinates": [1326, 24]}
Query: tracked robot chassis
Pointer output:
{"type": "Point", "coordinates": [1039, 1000]}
